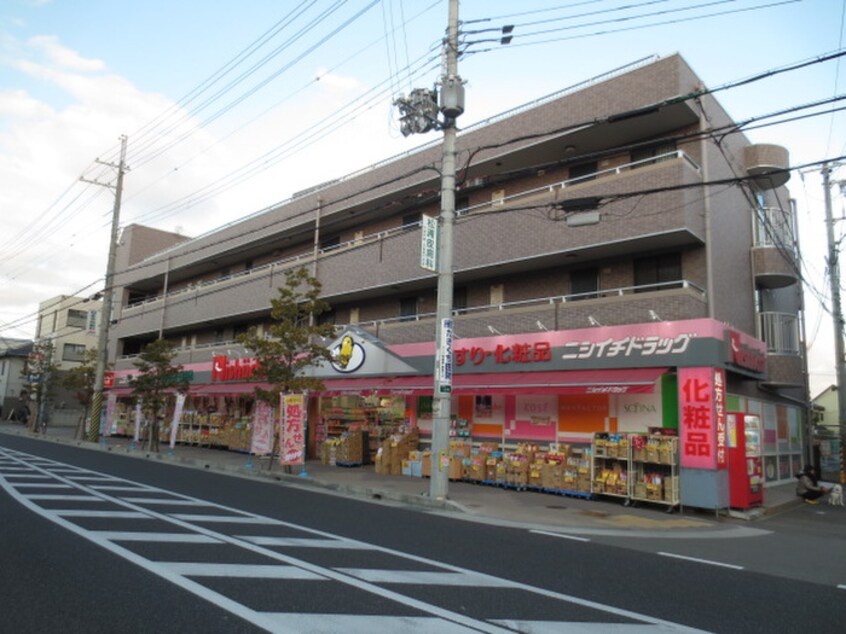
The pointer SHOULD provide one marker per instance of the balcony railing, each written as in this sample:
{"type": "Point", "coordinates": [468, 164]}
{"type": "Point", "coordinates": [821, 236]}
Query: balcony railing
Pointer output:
{"type": "Point", "coordinates": [381, 235]}
{"type": "Point", "coordinates": [780, 331]}
{"type": "Point", "coordinates": [774, 228]}
{"type": "Point", "coordinates": [540, 302]}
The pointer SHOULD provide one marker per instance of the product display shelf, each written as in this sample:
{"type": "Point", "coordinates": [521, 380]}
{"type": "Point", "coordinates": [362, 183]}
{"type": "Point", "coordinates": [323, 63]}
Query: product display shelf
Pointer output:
{"type": "Point", "coordinates": [655, 470]}
{"type": "Point", "coordinates": [612, 465]}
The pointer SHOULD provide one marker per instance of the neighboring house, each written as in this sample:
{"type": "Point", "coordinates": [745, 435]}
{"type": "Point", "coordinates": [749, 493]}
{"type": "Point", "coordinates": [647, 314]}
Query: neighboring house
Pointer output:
{"type": "Point", "coordinates": [71, 324]}
{"type": "Point", "coordinates": [13, 355]}
{"type": "Point", "coordinates": [827, 436]}
{"type": "Point", "coordinates": [599, 281]}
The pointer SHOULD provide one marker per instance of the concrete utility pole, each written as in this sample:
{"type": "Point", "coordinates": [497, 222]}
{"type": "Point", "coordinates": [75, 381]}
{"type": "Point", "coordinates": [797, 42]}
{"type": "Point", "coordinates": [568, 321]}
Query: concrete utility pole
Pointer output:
{"type": "Point", "coordinates": [106, 311]}
{"type": "Point", "coordinates": [837, 316]}
{"type": "Point", "coordinates": [419, 111]}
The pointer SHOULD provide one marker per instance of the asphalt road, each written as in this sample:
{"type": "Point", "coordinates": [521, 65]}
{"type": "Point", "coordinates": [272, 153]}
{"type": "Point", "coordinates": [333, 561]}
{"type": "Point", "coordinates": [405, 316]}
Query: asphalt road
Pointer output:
{"type": "Point", "coordinates": [95, 542]}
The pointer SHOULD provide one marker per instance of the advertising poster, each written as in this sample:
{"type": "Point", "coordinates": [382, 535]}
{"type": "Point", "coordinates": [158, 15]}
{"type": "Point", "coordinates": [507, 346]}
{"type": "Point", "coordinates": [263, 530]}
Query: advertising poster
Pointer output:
{"type": "Point", "coordinates": [702, 418]}
{"type": "Point", "coordinates": [111, 405]}
{"type": "Point", "coordinates": [292, 429]}
{"type": "Point", "coordinates": [262, 440]}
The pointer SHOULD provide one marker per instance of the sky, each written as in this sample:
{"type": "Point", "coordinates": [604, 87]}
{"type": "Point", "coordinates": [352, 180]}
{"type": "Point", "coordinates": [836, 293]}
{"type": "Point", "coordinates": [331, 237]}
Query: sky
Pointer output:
{"type": "Point", "coordinates": [230, 107]}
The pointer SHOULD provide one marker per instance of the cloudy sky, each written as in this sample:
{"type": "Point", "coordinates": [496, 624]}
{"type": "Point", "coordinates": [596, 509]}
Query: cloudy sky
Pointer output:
{"type": "Point", "coordinates": [232, 106]}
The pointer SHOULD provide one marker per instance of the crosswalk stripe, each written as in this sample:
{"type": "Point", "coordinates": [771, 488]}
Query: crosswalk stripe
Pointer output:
{"type": "Point", "coordinates": [252, 571]}
{"type": "Point", "coordinates": [425, 577]}
{"type": "Point", "coordinates": [41, 485]}
{"type": "Point", "coordinates": [140, 536]}
{"type": "Point", "coordinates": [565, 627]}
{"type": "Point", "coordinates": [164, 501]}
{"type": "Point", "coordinates": [76, 498]}
{"type": "Point", "coordinates": [304, 542]}
{"type": "Point", "coordinates": [363, 624]}
{"type": "Point", "coordinates": [235, 519]}
{"type": "Point", "coordinates": [107, 514]}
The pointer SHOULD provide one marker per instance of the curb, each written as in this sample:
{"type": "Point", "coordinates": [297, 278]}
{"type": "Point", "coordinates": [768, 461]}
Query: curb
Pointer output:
{"type": "Point", "coordinates": [367, 493]}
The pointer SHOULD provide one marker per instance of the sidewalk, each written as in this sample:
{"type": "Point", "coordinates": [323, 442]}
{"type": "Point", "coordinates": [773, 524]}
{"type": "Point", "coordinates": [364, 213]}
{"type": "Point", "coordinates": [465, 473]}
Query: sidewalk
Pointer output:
{"type": "Point", "coordinates": [472, 502]}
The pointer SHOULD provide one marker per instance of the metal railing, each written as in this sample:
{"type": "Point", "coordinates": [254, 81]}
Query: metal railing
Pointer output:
{"type": "Point", "coordinates": [387, 233]}
{"type": "Point", "coordinates": [774, 227]}
{"type": "Point", "coordinates": [780, 331]}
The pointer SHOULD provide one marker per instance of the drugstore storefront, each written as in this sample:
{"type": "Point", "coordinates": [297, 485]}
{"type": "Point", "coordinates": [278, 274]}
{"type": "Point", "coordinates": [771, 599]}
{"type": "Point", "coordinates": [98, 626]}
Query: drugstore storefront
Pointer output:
{"type": "Point", "coordinates": [548, 388]}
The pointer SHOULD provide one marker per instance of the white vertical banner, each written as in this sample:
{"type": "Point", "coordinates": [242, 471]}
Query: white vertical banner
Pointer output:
{"type": "Point", "coordinates": [111, 405]}
{"type": "Point", "coordinates": [261, 443]}
{"type": "Point", "coordinates": [429, 242]}
{"type": "Point", "coordinates": [444, 378]}
{"type": "Point", "coordinates": [177, 414]}
{"type": "Point", "coordinates": [137, 436]}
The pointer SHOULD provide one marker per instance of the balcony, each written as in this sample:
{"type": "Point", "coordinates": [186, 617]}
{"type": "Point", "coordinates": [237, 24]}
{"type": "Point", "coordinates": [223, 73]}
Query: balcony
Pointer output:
{"type": "Point", "coordinates": [513, 242]}
{"type": "Point", "coordinates": [608, 307]}
{"type": "Point", "coordinates": [780, 331]}
{"type": "Point", "coordinates": [774, 258]}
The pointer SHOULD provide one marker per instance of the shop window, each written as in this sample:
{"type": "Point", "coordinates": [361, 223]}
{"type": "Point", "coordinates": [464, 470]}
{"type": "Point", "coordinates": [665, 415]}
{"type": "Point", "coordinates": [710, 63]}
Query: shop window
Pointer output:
{"type": "Point", "coordinates": [408, 308]}
{"type": "Point", "coordinates": [657, 272]}
{"type": "Point", "coordinates": [77, 318]}
{"type": "Point", "coordinates": [584, 171]}
{"type": "Point", "coordinates": [73, 352]}
{"type": "Point", "coordinates": [663, 152]}
{"type": "Point", "coordinates": [584, 283]}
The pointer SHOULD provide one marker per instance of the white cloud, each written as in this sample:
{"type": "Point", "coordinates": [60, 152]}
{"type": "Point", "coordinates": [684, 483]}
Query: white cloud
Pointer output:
{"type": "Point", "coordinates": [62, 56]}
{"type": "Point", "coordinates": [19, 104]}
{"type": "Point", "coordinates": [335, 81]}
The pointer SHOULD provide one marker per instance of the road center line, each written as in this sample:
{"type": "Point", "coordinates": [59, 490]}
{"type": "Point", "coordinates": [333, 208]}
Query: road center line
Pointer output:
{"type": "Point", "coordinates": [702, 561]}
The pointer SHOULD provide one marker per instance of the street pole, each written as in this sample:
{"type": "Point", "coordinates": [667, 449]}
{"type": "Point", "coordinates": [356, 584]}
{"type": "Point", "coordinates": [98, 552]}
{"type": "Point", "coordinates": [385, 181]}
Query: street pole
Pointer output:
{"type": "Point", "coordinates": [837, 316]}
{"type": "Point", "coordinates": [451, 106]}
{"type": "Point", "coordinates": [106, 311]}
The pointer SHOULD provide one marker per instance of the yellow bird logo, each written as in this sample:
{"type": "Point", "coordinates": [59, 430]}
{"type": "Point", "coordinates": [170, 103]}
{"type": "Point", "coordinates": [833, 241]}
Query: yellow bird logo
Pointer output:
{"type": "Point", "coordinates": [345, 351]}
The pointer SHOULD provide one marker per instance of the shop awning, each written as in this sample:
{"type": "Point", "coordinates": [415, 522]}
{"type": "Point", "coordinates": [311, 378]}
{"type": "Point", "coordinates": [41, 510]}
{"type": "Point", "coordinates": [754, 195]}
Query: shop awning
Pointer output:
{"type": "Point", "coordinates": [623, 381]}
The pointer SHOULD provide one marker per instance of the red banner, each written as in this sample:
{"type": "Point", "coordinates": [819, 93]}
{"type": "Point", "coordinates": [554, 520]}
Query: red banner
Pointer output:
{"type": "Point", "coordinates": [292, 429]}
{"type": "Point", "coordinates": [702, 418]}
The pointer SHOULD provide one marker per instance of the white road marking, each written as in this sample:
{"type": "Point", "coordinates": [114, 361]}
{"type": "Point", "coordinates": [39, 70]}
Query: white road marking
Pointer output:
{"type": "Point", "coordinates": [425, 577]}
{"type": "Point", "coordinates": [33, 476]}
{"type": "Point", "coordinates": [561, 535]}
{"type": "Point", "coordinates": [41, 485]}
{"type": "Point", "coordinates": [138, 488]}
{"type": "Point", "coordinates": [233, 519]}
{"type": "Point", "coordinates": [842, 586]}
{"type": "Point", "coordinates": [164, 501]}
{"type": "Point", "coordinates": [78, 498]}
{"type": "Point", "coordinates": [304, 542]}
{"type": "Point", "coordinates": [255, 571]}
{"type": "Point", "coordinates": [108, 514]}
{"type": "Point", "coordinates": [445, 620]}
{"type": "Point", "coordinates": [553, 627]}
{"type": "Point", "coordinates": [137, 536]}
{"type": "Point", "coordinates": [363, 624]}
{"type": "Point", "coordinates": [702, 561]}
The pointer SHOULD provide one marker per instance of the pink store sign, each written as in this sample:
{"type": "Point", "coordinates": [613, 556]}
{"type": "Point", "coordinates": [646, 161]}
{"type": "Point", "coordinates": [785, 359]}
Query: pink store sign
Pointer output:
{"type": "Point", "coordinates": [702, 419]}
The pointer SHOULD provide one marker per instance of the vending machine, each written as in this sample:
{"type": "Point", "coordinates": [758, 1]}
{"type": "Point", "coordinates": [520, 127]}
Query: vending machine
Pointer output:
{"type": "Point", "coordinates": [746, 469]}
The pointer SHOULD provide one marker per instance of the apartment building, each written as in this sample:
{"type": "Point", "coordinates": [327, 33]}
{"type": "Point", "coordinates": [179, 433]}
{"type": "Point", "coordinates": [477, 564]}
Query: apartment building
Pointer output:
{"type": "Point", "coordinates": [13, 356]}
{"type": "Point", "coordinates": [618, 246]}
{"type": "Point", "coordinates": [70, 323]}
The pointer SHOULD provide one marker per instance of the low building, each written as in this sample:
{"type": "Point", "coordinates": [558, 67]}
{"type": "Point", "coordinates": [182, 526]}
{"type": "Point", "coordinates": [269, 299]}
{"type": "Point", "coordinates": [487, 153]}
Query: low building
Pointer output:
{"type": "Point", "coordinates": [13, 357]}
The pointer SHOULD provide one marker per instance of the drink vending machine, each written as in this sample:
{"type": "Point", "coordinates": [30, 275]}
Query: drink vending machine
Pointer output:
{"type": "Point", "coordinates": [746, 468]}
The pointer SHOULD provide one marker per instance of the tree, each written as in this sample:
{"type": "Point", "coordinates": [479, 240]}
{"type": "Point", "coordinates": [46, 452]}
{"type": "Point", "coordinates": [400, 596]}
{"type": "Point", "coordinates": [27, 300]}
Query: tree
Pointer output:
{"type": "Point", "coordinates": [38, 379]}
{"type": "Point", "coordinates": [155, 384]}
{"type": "Point", "coordinates": [294, 339]}
{"type": "Point", "coordinates": [80, 380]}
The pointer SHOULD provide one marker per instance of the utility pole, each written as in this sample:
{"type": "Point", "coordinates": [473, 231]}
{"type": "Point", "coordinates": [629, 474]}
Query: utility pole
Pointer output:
{"type": "Point", "coordinates": [837, 316]}
{"type": "Point", "coordinates": [106, 311]}
{"type": "Point", "coordinates": [419, 114]}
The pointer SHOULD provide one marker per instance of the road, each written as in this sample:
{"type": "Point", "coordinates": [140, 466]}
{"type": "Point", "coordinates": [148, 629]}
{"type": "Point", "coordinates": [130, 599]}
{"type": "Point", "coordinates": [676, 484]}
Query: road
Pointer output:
{"type": "Point", "coordinates": [94, 542]}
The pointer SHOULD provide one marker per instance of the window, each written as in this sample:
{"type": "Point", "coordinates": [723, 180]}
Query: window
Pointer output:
{"type": "Point", "coordinates": [584, 171]}
{"type": "Point", "coordinates": [408, 308]}
{"type": "Point", "coordinates": [330, 243]}
{"type": "Point", "coordinates": [584, 283]}
{"type": "Point", "coordinates": [218, 335]}
{"type": "Point", "coordinates": [412, 219]}
{"type": "Point", "coordinates": [644, 154]}
{"type": "Point", "coordinates": [77, 318]}
{"type": "Point", "coordinates": [658, 270]}
{"type": "Point", "coordinates": [459, 298]}
{"type": "Point", "coordinates": [462, 203]}
{"type": "Point", "coordinates": [73, 352]}
{"type": "Point", "coordinates": [326, 318]}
